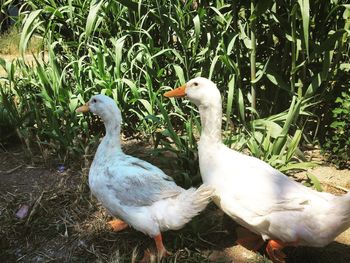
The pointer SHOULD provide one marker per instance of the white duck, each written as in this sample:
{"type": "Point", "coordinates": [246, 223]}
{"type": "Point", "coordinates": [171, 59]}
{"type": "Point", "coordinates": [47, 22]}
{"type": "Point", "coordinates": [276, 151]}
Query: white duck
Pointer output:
{"type": "Point", "coordinates": [135, 191]}
{"type": "Point", "coordinates": [256, 195]}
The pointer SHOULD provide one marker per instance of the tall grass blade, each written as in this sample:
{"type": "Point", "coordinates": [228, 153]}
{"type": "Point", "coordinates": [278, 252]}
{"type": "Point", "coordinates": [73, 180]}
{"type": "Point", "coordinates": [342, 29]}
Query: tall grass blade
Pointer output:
{"type": "Point", "coordinates": [29, 28]}
{"type": "Point", "coordinates": [230, 97]}
{"type": "Point", "coordinates": [93, 17]}
{"type": "Point", "coordinates": [305, 14]}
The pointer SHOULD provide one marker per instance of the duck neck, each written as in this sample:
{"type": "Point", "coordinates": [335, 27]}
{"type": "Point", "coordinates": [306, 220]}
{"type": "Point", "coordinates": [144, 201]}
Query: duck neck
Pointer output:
{"type": "Point", "coordinates": [112, 137]}
{"type": "Point", "coordinates": [211, 120]}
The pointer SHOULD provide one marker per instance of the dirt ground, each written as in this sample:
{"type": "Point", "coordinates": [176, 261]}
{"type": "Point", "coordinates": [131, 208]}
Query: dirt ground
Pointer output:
{"type": "Point", "coordinates": [65, 224]}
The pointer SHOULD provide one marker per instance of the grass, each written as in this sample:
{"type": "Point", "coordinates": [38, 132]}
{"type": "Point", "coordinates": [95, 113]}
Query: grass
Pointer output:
{"type": "Point", "coordinates": [9, 43]}
{"type": "Point", "coordinates": [133, 51]}
{"type": "Point", "coordinates": [70, 226]}
{"type": "Point", "coordinates": [67, 224]}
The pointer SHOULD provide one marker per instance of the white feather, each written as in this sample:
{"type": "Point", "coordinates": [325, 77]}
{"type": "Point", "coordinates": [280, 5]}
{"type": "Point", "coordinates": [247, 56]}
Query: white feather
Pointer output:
{"type": "Point", "coordinates": [136, 191]}
{"type": "Point", "coordinates": [255, 194]}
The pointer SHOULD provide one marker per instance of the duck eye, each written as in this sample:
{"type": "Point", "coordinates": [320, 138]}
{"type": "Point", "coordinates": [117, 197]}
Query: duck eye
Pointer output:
{"type": "Point", "coordinates": [196, 84]}
{"type": "Point", "coordinates": [94, 100]}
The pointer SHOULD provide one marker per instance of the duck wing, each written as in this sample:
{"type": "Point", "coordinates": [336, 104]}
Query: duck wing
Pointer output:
{"type": "Point", "coordinates": [135, 182]}
{"type": "Point", "coordinates": [257, 189]}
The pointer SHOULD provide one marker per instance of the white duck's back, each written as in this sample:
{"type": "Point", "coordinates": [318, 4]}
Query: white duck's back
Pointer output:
{"type": "Point", "coordinates": [264, 200]}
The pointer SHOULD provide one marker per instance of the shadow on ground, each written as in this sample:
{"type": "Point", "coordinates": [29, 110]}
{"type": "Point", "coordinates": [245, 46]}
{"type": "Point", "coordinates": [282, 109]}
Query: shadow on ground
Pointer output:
{"type": "Point", "coordinates": [66, 224]}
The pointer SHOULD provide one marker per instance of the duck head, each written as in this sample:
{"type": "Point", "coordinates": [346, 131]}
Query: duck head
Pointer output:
{"type": "Point", "coordinates": [201, 91]}
{"type": "Point", "coordinates": [103, 106]}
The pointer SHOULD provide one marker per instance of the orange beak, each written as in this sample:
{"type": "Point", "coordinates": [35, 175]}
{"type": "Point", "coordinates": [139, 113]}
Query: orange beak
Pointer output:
{"type": "Point", "coordinates": [84, 108]}
{"type": "Point", "coordinates": [178, 92]}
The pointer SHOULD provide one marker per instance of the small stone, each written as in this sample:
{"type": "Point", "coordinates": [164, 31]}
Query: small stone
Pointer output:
{"type": "Point", "coordinates": [22, 212]}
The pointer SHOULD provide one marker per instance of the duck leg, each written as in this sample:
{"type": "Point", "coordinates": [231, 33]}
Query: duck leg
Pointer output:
{"type": "Point", "coordinates": [274, 250]}
{"type": "Point", "coordinates": [248, 239]}
{"type": "Point", "coordinates": [117, 225]}
{"type": "Point", "coordinates": [148, 257]}
{"type": "Point", "coordinates": [162, 252]}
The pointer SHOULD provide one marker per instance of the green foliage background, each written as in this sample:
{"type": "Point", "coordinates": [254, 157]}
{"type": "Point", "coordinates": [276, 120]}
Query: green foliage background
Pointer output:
{"type": "Point", "coordinates": [277, 63]}
{"type": "Point", "coordinates": [338, 139]}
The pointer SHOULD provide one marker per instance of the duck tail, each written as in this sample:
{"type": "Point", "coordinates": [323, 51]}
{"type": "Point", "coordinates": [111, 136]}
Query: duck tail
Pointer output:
{"type": "Point", "coordinates": [342, 208]}
{"type": "Point", "coordinates": [343, 204]}
{"type": "Point", "coordinates": [199, 198]}
{"type": "Point", "coordinates": [346, 202]}
{"type": "Point", "coordinates": [185, 206]}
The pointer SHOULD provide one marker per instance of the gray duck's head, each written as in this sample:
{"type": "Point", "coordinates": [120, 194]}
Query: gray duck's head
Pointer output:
{"type": "Point", "coordinates": [103, 106]}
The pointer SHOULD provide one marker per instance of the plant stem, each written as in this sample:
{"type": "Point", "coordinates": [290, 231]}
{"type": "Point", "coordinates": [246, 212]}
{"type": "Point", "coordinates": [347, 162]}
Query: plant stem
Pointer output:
{"type": "Point", "coordinates": [303, 76]}
{"type": "Point", "coordinates": [292, 82]}
{"type": "Point", "coordinates": [253, 57]}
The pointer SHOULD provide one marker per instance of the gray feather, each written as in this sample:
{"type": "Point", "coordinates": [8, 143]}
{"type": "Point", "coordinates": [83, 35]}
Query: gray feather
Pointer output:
{"type": "Point", "coordinates": [140, 183]}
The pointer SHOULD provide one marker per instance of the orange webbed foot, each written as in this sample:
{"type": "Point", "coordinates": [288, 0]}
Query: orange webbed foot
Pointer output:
{"type": "Point", "coordinates": [117, 225]}
{"type": "Point", "coordinates": [274, 250]}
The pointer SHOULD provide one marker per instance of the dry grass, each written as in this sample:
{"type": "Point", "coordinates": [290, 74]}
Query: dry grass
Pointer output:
{"type": "Point", "coordinates": [9, 43]}
{"type": "Point", "coordinates": [9, 48]}
{"type": "Point", "coordinates": [67, 224]}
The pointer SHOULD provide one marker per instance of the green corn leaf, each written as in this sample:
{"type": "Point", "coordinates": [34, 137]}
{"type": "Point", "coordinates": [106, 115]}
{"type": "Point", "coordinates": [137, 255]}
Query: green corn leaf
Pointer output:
{"type": "Point", "coordinates": [147, 106]}
{"type": "Point", "coordinates": [118, 47]}
{"type": "Point", "coordinates": [276, 79]}
{"type": "Point", "coordinates": [314, 85]}
{"type": "Point", "coordinates": [230, 96]}
{"type": "Point", "coordinates": [253, 145]}
{"type": "Point", "coordinates": [315, 182]}
{"type": "Point", "coordinates": [171, 132]}
{"type": "Point", "coordinates": [305, 14]}
{"type": "Point", "coordinates": [271, 126]}
{"type": "Point", "coordinates": [260, 74]}
{"type": "Point", "coordinates": [92, 17]}
{"type": "Point", "coordinates": [220, 16]}
{"type": "Point", "coordinates": [212, 66]}
{"type": "Point", "coordinates": [297, 166]}
{"type": "Point", "coordinates": [179, 73]}
{"type": "Point", "coordinates": [54, 11]}
{"type": "Point", "coordinates": [161, 53]}
{"type": "Point", "coordinates": [291, 117]}
{"type": "Point", "coordinates": [197, 30]}
{"type": "Point", "coordinates": [231, 44]}
{"type": "Point", "coordinates": [293, 145]}
{"type": "Point", "coordinates": [28, 29]}
{"type": "Point", "coordinates": [260, 8]}
{"type": "Point", "coordinates": [240, 104]}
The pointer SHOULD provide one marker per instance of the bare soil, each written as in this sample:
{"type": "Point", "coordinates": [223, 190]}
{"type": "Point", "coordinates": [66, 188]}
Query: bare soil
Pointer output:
{"type": "Point", "coordinates": [66, 224]}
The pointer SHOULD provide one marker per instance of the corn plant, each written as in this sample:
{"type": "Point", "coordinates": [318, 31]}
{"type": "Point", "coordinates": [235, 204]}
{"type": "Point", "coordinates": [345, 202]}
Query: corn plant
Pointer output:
{"type": "Point", "coordinates": [275, 63]}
